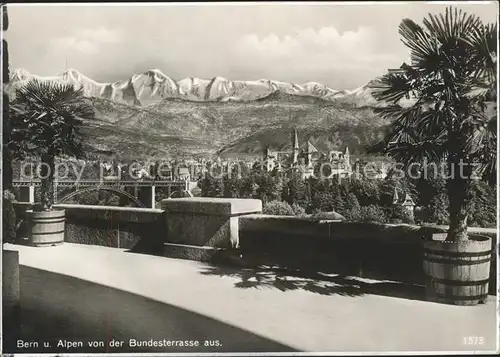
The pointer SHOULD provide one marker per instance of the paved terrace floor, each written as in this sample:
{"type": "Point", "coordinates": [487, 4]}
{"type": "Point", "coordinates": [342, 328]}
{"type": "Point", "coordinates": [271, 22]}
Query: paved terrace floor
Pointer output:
{"type": "Point", "coordinates": [82, 293]}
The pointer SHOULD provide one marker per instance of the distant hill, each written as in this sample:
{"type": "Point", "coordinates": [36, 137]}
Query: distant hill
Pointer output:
{"type": "Point", "coordinates": [354, 130]}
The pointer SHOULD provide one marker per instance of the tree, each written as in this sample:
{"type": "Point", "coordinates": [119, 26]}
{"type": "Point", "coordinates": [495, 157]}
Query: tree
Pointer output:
{"type": "Point", "coordinates": [267, 189]}
{"type": "Point", "coordinates": [212, 186]}
{"type": "Point", "coordinates": [399, 214]}
{"type": "Point", "coordinates": [7, 173]}
{"type": "Point", "coordinates": [367, 191]}
{"type": "Point", "coordinates": [9, 217]}
{"type": "Point", "coordinates": [351, 208]}
{"type": "Point", "coordinates": [429, 186]}
{"type": "Point", "coordinates": [294, 189]}
{"type": "Point", "coordinates": [278, 208]}
{"type": "Point", "coordinates": [371, 214]}
{"type": "Point", "coordinates": [351, 202]}
{"type": "Point", "coordinates": [400, 185]}
{"type": "Point", "coordinates": [483, 210]}
{"type": "Point", "coordinates": [231, 186]}
{"type": "Point", "coordinates": [248, 187]}
{"type": "Point", "coordinates": [336, 198]}
{"type": "Point", "coordinates": [438, 209]}
{"type": "Point", "coordinates": [452, 118]}
{"type": "Point", "coordinates": [46, 118]}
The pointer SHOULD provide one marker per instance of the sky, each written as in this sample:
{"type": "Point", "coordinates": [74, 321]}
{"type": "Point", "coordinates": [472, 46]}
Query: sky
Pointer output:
{"type": "Point", "coordinates": [343, 46]}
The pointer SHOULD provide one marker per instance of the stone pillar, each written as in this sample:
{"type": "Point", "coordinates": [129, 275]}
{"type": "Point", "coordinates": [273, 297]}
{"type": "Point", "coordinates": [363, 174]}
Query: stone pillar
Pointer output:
{"type": "Point", "coordinates": [153, 197]}
{"type": "Point", "coordinates": [10, 277]}
{"type": "Point", "coordinates": [11, 307]}
{"type": "Point", "coordinates": [146, 195]}
{"type": "Point", "coordinates": [207, 222]}
{"type": "Point", "coordinates": [27, 194]}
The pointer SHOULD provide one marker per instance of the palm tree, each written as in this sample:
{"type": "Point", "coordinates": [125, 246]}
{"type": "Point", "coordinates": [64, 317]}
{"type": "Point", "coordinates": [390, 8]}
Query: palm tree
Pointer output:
{"type": "Point", "coordinates": [46, 118]}
{"type": "Point", "coordinates": [451, 84]}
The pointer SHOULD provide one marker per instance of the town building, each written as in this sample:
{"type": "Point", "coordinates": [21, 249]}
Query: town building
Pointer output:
{"type": "Point", "coordinates": [407, 203]}
{"type": "Point", "coordinates": [307, 160]}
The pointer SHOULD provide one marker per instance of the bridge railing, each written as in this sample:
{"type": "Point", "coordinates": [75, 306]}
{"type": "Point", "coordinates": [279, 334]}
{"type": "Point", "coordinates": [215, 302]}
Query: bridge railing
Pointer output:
{"type": "Point", "coordinates": [27, 188]}
{"type": "Point", "coordinates": [87, 183]}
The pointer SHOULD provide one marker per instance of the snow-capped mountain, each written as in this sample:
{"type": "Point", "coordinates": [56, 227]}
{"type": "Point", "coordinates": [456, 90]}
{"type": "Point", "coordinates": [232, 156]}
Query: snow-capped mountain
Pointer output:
{"type": "Point", "coordinates": [152, 86]}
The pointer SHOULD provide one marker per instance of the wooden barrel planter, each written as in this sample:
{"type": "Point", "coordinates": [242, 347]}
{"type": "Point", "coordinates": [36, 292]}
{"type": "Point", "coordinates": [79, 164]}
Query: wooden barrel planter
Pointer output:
{"type": "Point", "coordinates": [46, 227]}
{"type": "Point", "coordinates": [457, 272]}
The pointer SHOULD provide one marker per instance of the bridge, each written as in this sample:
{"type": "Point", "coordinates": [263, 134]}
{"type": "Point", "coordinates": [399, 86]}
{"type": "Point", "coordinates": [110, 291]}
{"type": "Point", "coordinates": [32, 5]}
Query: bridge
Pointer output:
{"type": "Point", "coordinates": [143, 196]}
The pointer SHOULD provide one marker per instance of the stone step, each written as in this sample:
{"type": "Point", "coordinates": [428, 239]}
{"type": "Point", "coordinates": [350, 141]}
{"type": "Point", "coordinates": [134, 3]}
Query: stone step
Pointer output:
{"type": "Point", "coordinates": [199, 253]}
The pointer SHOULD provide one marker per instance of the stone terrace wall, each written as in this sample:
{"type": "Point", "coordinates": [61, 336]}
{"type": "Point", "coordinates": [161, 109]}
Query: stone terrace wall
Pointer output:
{"type": "Point", "coordinates": [378, 251]}
{"type": "Point", "coordinates": [139, 229]}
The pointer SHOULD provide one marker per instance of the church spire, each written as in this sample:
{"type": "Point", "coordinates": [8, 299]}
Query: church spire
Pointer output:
{"type": "Point", "coordinates": [295, 140]}
{"type": "Point", "coordinates": [295, 146]}
{"type": "Point", "coordinates": [395, 196]}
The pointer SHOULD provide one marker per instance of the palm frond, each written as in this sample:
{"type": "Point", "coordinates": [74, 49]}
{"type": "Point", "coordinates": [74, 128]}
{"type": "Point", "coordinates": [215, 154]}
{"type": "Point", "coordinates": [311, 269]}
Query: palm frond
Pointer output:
{"type": "Point", "coordinates": [452, 76]}
{"type": "Point", "coordinates": [482, 40]}
{"type": "Point", "coordinates": [420, 43]}
{"type": "Point", "coordinates": [46, 117]}
{"type": "Point", "coordinates": [394, 87]}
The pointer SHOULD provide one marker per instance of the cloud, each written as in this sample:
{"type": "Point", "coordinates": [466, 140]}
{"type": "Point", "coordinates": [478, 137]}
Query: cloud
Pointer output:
{"type": "Point", "coordinates": [321, 47]}
{"type": "Point", "coordinates": [271, 45]}
{"type": "Point", "coordinates": [101, 34]}
{"type": "Point", "coordinates": [86, 41]}
{"type": "Point", "coordinates": [73, 43]}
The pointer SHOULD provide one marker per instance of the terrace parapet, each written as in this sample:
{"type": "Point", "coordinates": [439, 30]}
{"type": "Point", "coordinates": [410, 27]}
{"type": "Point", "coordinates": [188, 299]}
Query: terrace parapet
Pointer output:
{"type": "Point", "coordinates": [210, 222]}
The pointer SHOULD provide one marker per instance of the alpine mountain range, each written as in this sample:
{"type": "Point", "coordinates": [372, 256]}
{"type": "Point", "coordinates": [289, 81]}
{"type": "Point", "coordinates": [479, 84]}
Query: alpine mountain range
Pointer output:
{"type": "Point", "coordinates": [151, 114]}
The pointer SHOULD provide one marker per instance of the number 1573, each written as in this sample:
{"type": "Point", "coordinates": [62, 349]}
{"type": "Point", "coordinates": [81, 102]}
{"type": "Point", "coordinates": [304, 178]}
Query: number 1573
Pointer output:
{"type": "Point", "coordinates": [473, 340]}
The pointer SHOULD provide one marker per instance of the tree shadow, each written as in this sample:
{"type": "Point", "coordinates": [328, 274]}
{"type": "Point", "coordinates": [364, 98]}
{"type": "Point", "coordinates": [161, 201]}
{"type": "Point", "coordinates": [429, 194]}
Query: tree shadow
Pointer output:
{"type": "Point", "coordinates": [285, 279]}
{"type": "Point", "coordinates": [58, 307]}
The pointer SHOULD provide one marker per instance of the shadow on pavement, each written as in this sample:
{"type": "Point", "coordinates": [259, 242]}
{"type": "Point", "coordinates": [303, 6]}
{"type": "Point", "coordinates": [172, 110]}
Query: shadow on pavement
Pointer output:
{"type": "Point", "coordinates": [325, 284]}
{"type": "Point", "coordinates": [57, 307]}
